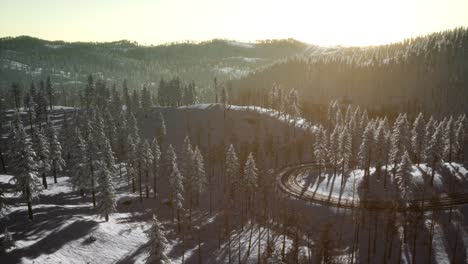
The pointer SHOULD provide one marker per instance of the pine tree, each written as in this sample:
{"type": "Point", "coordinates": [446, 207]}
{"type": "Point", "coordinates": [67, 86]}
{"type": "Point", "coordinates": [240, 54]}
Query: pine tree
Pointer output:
{"type": "Point", "coordinates": [199, 172]}
{"type": "Point", "coordinates": [79, 164]}
{"type": "Point", "coordinates": [175, 182]}
{"type": "Point", "coordinates": [399, 141]}
{"type": "Point", "coordinates": [27, 180]}
{"type": "Point", "coordinates": [429, 131]}
{"type": "Point", "coordinates": [107, 198]}
{"type": "Point", "coordinates": [404, 177]}
{"type": "Point", "coordinates": [148, 159]}
{"type": "Point", "coordinates": [186, 158]}
{"type": "Point", "coordinates": [133, 130]}
{"type": "Point", "coordinates": [366, 150]}
{"type": "Point", "coordinates": [89, 93]}
{"type": "Point", "coordinates": [450, 140]}
{"type": "Point", "coordinates": [41, 147]}
{"type": "Point", "coordinates": [333, 149]}
{"type": "Point", "coordinates": [459, 137]}
{"type": "Point", "coordinates": [161, 132]}
{"type": "Point", "coordinates": [132, 160]}
{"type": "Point", "coordinates": [435, 150]}
{"type": "Point", "coordinates": [66, 137]}
{"type": "Point", "coordinates": [122, 135]}
{"type": "Point", "coordinates": [320, 149]}
{"type": "Point", "coordinates": [232, 172]}
{"type": "Point", "coordinates": [57, 162]}
{"type": "Point", "coordinates": [50, 92]}
{"type": "Point", "coordinates": [345, 151]}
{"type": "Point", "coordinates": [250, 177]}
{"type": "Point", "coordinates": [381, 149]}
{"type": "Point", "coordinates": [158, 244]}
{"type": "Point", "coordinates": [188, 169]}
{"type": "Point", "coordinates": [156, 154]}
{"type": "Point", "coordinates": [417, 138]}
{"type": "Point", "coordinates": [109, 128]}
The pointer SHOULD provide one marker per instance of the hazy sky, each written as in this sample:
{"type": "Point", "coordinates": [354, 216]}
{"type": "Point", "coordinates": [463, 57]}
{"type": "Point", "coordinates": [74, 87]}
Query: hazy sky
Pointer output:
{"type": "Point", "coordinates": [326, 22]}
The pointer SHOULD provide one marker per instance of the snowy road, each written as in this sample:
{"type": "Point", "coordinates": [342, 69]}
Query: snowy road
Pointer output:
{"type": "Point", "coordinates": [289, 183]}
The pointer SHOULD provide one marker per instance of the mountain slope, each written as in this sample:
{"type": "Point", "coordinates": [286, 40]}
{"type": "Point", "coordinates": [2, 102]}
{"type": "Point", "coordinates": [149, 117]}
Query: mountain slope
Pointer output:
{"type": "Point", "coordinates": [25, 58]}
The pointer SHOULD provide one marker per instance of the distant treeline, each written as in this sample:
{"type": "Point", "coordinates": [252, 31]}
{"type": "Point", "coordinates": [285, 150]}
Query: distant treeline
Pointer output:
{"type": "Point", "coordinates": [42, 95]}
{"type": "Point", "coordinates": [427, 74]}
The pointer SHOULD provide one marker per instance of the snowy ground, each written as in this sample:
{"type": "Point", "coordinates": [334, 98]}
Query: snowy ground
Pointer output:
{"type": "Point", "coordinates": [451, 180]}
{"type": "Point", "coordinates": [66, 229]}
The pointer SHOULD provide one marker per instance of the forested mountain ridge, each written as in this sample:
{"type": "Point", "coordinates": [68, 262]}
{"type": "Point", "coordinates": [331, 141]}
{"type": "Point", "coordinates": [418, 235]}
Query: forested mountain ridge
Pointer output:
{"type": "Point", "coordinates": [23, 59]}
{"type": "Point", "coordinates": [428, 73]}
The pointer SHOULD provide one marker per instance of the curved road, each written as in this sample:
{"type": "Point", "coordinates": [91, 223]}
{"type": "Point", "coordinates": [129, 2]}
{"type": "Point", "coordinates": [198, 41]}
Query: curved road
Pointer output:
{"type": "Point", "coordinates": [288, 183]}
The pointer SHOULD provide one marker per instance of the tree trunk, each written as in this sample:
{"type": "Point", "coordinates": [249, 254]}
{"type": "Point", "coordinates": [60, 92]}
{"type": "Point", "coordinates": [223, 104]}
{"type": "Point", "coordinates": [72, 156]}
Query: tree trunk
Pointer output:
{"type": "Point", "coordinates": [44, 180]}
{"type": "Point", "coordinates": [139, 182]}
{"type": "Point", "coordinates": [107, 217]}
{"type": "Point", "coordinates": [28, 197]}
{"type": "Point", "coordinates": [54, 170]}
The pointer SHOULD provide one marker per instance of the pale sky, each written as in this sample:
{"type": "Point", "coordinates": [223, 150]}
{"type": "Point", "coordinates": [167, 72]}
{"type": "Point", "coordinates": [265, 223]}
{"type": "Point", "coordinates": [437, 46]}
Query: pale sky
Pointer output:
{"type": "Point", "coordinates": [326, 22]}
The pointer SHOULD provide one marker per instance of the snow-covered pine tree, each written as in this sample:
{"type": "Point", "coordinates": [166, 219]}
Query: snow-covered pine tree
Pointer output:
{"type": "Point", "coordinates": [122, 136]}
{"type": "Point", "coordinates": [356, 134]}
{"type": "Point", "coordinates": [78, 163]}
{"type": "Point", "coordinates": [232, 172]}
{"type": "Point", "coordinates": [175, 183]}
{"type": "Point", "coordinates": [250, 178]}
{"type": "Point", "coordinates": [158, 244]}
{"type": "Point", "coordinates": [186, 161]}
{"type": "Point", "coordinates": [66, 136]}
{"type": "Point", "coordinates": [429, 131]}
{"type": "Point", "coordinates": [94, 138]}
{"type": "Point", "coordinates": [381, 148]}
{"type": "Point", "coordinates": [187, 169]}
{"type": "Point", "coordinates": [334, 149]}
{"type": "Point", "coordinates": [320, 149]}
{"type": "Point", "coordinates": [133, 130]}
{"type": "Point", "coordinates": [199, 171]}
{"type": "Point", "coordinates": [29, 106]}
{"type": "Point", "coordinates": [156, 154]}
{"type": "Point", "coordinates": [460, 131]}
{"type": "Point", "coordinates": [109, 128]}
{"type": "Point", "coordinates": [399, 141]}
{"type": "Point", "coordinates": [41, 147]}
{"type": "Point", "coordinates": [132, 160]}
{"type": "Point", "coordinates": [27, 180]}
{"type": "Point", "coordinates": [435, 150]}
{"type": "Point", "coordinates": [147, 161]}
{"type": "Point", "coordinates": [57, 163]}
{"type": "Point", "coordinates": [366, 150]}
{"type": "Point", "coordinates": [345, 151]}
{"type": "Point", "coordinates": [107, 198]}
{"type": "Point", "coordinates": [417, 138]}
{"type": "Point", "coordinates": [450, 139]}
{"type": "Point", "coordinates": [13, 149]}
{"type": "Point", "coordinates": [161, 131]}
{"type": "Point", "coordinates": [404, 177]}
